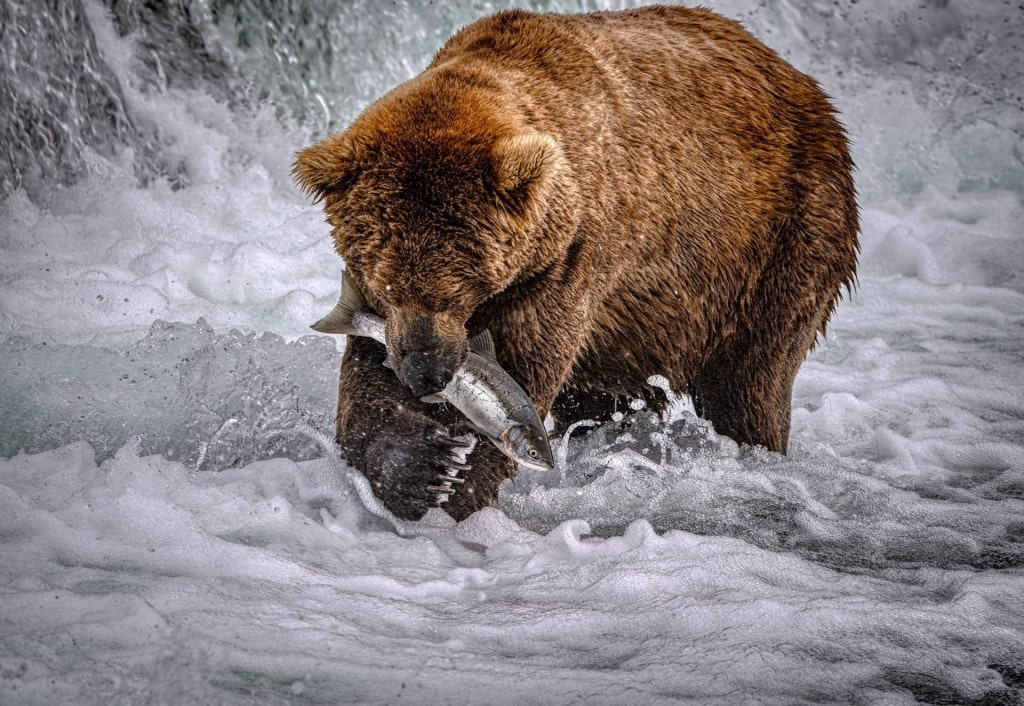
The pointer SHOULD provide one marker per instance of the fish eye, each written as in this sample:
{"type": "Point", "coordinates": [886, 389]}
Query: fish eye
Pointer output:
{"type": "Point", "coordinates": [533, 453]}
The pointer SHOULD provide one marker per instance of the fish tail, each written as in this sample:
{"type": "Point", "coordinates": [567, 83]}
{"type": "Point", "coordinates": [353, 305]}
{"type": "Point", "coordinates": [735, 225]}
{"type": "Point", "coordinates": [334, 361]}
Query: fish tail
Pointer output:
{"type": "Point", "coordinates": [339, 320]}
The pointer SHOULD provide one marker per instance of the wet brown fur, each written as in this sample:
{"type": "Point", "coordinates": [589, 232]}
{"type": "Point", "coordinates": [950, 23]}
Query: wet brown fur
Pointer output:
{"type": "Point", "coordinates": [613, 195]}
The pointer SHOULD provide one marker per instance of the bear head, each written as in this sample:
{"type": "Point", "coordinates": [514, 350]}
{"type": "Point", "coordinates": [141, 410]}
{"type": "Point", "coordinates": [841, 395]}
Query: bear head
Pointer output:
{"type": "Point", "coordinates": [439, 199]}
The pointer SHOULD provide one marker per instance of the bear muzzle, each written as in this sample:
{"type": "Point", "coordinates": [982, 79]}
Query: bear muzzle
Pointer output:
{"type": "Point", "coordinates": [425, 373]}
{"type": "Point", "coordinates": [425, 349]}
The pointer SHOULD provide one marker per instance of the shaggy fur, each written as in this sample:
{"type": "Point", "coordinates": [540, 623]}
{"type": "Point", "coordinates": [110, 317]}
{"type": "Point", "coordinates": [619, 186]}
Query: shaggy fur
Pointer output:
{"type": "Point", "coordinates": [613, 195]}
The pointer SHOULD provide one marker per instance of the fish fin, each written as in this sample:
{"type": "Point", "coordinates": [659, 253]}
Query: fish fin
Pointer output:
{"type": "Point", "coordinates": [483, 344]}
{"type": "Point", "coordinates": [339, 320]}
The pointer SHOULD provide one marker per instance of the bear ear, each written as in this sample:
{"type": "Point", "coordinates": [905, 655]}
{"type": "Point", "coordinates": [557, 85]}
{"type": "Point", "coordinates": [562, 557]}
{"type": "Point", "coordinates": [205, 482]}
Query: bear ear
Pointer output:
{"type": "Point", "coordinates": [329, 166]}
{"type": "Point", "coordinates": [524, 166]}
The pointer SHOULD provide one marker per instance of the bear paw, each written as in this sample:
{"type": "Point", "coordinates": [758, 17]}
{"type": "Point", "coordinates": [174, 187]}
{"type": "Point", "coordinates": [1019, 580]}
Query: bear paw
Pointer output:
{"type": "Point", "coordinates": [412, 472]}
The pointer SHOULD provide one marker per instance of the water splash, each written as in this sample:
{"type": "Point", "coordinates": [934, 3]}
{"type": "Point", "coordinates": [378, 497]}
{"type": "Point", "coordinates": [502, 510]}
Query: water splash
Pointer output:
{"type": "Point", "coordinates": [212, 400]}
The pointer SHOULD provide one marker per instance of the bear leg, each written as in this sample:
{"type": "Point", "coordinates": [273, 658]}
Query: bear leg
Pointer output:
{"type": "Point", "coordinates": [740, 408]}
{"type": "Point", "coordinates": [404, 446]}
{"type": "Point", "coordinates": [746, 389]}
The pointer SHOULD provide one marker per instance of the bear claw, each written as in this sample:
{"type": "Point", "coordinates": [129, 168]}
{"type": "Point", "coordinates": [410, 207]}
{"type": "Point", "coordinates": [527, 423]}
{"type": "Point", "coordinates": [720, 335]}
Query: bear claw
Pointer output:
{"type": "Point", "coordinates": [451, 468]}
{"type": "Point", "coordinates": [444, 440]}
{"type": "Point", "coordinates": [444, 491]}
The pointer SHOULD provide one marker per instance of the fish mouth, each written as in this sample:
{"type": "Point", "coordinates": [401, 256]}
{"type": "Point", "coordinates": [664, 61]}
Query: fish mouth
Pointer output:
{"type": "Point", "coordinates": [533, 464]}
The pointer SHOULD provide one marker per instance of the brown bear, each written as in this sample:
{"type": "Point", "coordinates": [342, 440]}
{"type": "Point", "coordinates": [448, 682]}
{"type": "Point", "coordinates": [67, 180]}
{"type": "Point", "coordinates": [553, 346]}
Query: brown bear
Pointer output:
{"type": "Point", "coordinates": [613, 195]}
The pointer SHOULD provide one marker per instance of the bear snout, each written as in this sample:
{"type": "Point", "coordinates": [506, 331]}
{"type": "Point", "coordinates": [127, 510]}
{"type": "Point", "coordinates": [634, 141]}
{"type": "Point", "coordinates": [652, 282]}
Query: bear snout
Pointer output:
{"type": "Point", "coordinates": [425, 348]}
{"type": "Point", "coordinates": [425, 373]}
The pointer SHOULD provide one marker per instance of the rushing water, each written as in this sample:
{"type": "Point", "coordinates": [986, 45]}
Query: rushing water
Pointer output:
{"type": "Point", "coordinates": [172, 531]}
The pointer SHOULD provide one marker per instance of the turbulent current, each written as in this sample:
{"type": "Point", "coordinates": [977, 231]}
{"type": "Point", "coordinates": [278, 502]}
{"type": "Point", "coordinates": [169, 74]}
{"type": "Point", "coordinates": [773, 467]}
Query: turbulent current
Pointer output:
{"type": "Point", "coordinates": [173, 531]}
